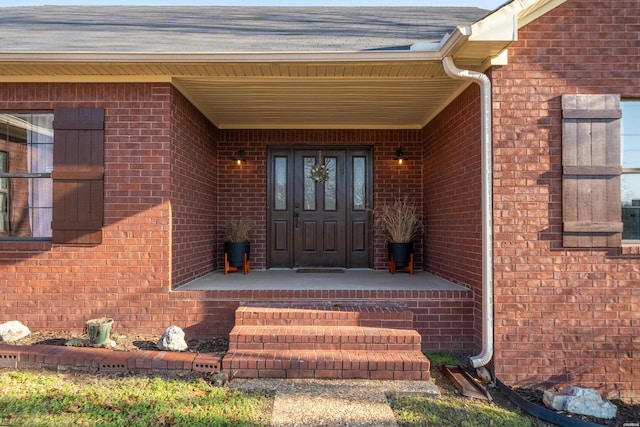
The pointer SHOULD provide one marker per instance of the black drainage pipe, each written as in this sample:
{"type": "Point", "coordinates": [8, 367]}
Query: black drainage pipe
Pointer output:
{"type": "Point", "coordinates": [542, 412]}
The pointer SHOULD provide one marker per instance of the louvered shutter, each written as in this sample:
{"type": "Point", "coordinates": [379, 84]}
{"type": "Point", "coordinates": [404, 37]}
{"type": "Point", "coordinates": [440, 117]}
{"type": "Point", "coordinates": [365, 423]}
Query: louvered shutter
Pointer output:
{"type": "Point", "coordinates": [591, 203]}
{"type": "Point", "coordinates": [78, 171]}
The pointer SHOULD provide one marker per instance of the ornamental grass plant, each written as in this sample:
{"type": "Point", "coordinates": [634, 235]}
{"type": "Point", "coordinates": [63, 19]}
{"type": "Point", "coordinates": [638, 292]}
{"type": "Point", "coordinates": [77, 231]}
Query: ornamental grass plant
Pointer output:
{"type": "Point", "coordinates": [401, 221]}
{"type": "Point", "coordinates": [237, 230]}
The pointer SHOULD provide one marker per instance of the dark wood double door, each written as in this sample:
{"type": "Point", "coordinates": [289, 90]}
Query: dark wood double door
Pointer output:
{"type": "Point", "coordinates": [319, 223]}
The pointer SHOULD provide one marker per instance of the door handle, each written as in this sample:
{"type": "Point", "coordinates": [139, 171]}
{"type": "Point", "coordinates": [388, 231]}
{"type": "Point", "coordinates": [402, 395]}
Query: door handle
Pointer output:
{"type": "Point", "coordinates": [296, 216]}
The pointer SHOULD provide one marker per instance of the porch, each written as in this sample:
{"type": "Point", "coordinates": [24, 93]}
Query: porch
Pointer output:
{"type": "Point", "coordinates": [345, 280]}
{"type": "Point", "coordinates": [441, 311]}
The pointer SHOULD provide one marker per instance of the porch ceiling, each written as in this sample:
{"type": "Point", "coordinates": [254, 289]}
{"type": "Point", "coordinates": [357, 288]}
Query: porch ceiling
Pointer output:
{"type": "Point", "coordinates": [394, 94]}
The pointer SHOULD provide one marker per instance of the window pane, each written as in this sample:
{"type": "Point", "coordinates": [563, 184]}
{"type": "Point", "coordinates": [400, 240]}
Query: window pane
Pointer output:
{"type": "Point", "coordinates": [330, 185]}
{"type": "Point", "coordinates": [309, 185]}
{"type": "Point", "coordinates": [26, 203]}
{"type": "Point", "coordinates": [358, 183]}
{"type": "Point", "coordinates": [281, 184]}
{"type": "Point", "coordinates": [631, 206]}
{"type": "Point", "coordinates": [630, 138]}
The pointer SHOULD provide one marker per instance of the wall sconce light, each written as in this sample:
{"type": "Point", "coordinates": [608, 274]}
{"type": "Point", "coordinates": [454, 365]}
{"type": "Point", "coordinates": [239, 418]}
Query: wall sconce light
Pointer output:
{"type": "Point", "coordinates": [399, 155]}
{"type": "Point", "coordinates": [239, 157]}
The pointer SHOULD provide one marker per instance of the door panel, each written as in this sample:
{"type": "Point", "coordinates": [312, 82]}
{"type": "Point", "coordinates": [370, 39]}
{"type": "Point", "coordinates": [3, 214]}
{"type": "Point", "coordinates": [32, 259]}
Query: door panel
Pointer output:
{"type": "Point", "coordinates": [319, 224]}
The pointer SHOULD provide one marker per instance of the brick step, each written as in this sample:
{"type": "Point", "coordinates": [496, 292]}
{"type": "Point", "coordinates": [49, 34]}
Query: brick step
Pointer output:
{"type": "Point", "coordinates": [326, 315]}
{"type": "Point", "coordinates": [375, 365]}
{"type": "Point", "coordinates": [316, 337]}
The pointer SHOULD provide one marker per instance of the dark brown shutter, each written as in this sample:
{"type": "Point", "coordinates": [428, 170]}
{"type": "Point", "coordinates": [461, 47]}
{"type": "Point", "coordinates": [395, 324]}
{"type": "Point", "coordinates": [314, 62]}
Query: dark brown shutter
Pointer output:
{"type": "Point", "coordinates": [591, 203]}
{"type": "Point", "coordinates": [78, 170]}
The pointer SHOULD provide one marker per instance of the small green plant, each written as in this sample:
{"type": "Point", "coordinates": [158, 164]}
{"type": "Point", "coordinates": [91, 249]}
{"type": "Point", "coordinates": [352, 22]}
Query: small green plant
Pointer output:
{"type": "Point", "coordinates": [237, 230]}
{"type": "Point", "coordinates": [400, 221]}
{"type": "Point", "coordinates": [444, 359]}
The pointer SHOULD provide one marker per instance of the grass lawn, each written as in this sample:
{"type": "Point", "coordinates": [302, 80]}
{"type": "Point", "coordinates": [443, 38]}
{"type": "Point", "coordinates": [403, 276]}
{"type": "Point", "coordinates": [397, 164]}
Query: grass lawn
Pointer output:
{"type": "Point", "coordinates": [55, 399]}
{"type": "Point", "coordinates": [44, 398]}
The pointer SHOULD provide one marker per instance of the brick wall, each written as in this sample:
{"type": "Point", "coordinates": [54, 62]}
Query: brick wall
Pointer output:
{"type": "Point", "coordinates": [169, 183]}
{"type": "Point", "coordinates": [59, 287]}
{"type": "Point", "coordinates": [194, 193]}
{"type": "Point", "coordinates": [561, 315]}
{"type": "Point", "coordinates": [452, 196]}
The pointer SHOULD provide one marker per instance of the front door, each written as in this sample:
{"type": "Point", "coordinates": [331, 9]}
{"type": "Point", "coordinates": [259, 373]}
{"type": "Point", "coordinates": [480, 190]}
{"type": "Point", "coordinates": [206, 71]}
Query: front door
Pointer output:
{"type": "Point", "coordinates": [321, 221]}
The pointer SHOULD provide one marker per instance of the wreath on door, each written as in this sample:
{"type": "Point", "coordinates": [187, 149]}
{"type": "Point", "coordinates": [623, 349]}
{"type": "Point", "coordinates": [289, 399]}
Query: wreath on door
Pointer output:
{"type": "Point", "coordinates": [319, 172]}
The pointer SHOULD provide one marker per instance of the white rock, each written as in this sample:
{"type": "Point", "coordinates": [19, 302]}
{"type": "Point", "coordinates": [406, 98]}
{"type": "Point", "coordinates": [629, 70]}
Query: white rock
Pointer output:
{"type": "Point", "coordinates": [173, 340]}
{"type": "Point", "coordinates": [13, 331]}
{"type": "Point", "coordinates": [579, 400]}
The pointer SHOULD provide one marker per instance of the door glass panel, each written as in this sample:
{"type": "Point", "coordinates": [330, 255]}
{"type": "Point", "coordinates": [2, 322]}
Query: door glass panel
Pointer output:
{"type": "Point", "coordinates": [359, 195]}
{"type": "Point", "coordinates": [309, 185]}
{"type": "Point", "coordinates": [280, 192]}
{"type": "Point", "coordinates": [330, 185]}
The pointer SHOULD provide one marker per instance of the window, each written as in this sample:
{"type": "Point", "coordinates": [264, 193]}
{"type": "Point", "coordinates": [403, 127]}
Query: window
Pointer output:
{"type": "Point", "coordinates": [630, 178]}
{"type": "Point", "coordinates": [26, 162]}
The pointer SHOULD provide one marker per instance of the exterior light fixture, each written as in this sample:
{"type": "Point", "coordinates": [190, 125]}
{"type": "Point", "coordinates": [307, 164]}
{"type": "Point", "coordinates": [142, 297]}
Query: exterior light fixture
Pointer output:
{"type": "Point", "coordinates": [239, 157]}
{"type": "Point", "coordinates": [400, 156]}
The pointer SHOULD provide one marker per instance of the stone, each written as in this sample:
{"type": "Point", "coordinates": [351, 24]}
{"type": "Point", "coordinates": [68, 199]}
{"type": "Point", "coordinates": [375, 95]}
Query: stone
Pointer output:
{"type": "Point", "coordinates": [173, 340]}
{"type": "Point", "coordinates": [581, 401]}
{"type": "Point", "coordinates": [13, 331]}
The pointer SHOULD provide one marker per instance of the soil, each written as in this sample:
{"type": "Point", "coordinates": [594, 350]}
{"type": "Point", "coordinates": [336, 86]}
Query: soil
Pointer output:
{"type": "Point", "coordinates": [627, 415]}
{"type": "Point", "coordinates": [129, 342]}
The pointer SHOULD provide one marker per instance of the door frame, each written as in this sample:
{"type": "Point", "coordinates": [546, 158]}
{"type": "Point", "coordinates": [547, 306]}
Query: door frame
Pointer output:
{"type": "Point", "coordinates": [288, 260]}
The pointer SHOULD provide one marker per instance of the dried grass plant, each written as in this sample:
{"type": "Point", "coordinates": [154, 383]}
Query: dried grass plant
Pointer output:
{"type": "Point", "coordinates": [400, 221]}
{"type": "Point", "coordinates": [237, 230]}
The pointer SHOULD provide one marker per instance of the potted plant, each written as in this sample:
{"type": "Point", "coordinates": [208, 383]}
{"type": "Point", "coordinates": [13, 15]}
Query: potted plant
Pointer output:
{"type": "Point", "coordinates": [237, 246]}
{"type": "Point", "coordinates": [400, 222]}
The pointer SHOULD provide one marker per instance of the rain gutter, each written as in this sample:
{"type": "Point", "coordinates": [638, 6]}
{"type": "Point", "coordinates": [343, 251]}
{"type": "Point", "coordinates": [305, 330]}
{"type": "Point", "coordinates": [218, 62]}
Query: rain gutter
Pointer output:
{"type": "Point", "coordinates": [487, 202]}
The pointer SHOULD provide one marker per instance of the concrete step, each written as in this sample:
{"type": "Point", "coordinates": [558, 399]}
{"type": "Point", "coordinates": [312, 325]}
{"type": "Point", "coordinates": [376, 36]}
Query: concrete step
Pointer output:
{"type": "Point", "coordinates": [374, 365]}
{"type": "Point", "coordinates": [351, 338]}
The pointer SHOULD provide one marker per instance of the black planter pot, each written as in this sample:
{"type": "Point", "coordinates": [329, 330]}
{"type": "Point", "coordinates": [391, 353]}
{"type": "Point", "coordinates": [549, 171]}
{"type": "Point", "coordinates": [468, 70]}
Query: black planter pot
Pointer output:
{"type": "Point", "coordinates": [400, 253]}
{"type": "Point", "coordinates": [235, 252]}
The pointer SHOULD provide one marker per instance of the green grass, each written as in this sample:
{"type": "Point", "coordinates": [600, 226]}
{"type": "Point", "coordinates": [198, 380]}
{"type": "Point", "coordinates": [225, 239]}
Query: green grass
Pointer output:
{"type": "Point", "coordinates": [51, 399]}
{"type": "Point", "coordinates": [438, 412]}
{"type": "Point", "coordinates": [438, 359]}
{"type": "Point", "coordinates": [451, 409]}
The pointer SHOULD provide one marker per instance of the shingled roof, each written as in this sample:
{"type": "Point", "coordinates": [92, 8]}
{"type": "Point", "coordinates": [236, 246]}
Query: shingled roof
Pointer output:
{"type": "Point", "coordinates": [226, 29]}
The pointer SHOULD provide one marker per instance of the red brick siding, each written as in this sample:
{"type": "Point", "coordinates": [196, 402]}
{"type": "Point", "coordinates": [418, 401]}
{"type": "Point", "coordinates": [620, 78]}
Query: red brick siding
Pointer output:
{"type": "Point", "coordinates": [452, 196]}
{"type": "Point", "coordinates": [160, 155]}
{"type": "Point", "coordinates": [193, 191]}
{"type": "Point", "coordinates": [561, 315]}
{"type": "Point", "coordinates": [441, 317]}
{"type": "Point", "coordinates": [59, 287]}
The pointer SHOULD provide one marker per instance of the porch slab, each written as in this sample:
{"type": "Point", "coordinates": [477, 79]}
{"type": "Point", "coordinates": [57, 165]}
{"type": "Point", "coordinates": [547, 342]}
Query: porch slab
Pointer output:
{"type": "Point", "coordinates": [289, 279]}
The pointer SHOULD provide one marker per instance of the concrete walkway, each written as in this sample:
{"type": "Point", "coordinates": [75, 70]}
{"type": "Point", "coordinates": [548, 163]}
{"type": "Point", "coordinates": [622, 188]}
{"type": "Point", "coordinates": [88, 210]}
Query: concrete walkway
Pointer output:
{"type": "Point", "coordinates": [311, 403]}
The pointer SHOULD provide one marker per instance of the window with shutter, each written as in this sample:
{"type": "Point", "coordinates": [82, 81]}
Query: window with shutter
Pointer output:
{"type": "Point", "coordinates": [591, 171]}
{"type": "Point", "coordinates": [78, 171]}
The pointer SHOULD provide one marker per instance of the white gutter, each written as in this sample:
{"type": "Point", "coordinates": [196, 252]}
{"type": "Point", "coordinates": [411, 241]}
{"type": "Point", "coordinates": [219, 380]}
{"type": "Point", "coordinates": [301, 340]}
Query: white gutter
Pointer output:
{"type": "Point", "coordinates": [487, 202]}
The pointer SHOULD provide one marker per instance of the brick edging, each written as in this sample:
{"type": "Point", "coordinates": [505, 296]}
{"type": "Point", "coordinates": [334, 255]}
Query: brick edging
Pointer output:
{"type": "Point", "coordinates": [60, 358]}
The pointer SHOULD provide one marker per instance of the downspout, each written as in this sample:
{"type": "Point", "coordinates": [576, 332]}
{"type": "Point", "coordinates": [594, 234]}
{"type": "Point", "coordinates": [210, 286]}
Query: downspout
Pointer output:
{"type": "Point", "coordinates": [487, 212]}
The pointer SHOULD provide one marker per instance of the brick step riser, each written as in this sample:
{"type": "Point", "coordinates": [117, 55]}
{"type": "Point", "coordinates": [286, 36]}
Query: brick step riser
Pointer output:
{"type": "Point", "coordinates": [346, 365]}
{"type": "Point", "coordinates": [397, 319]}
{"type": "Point", "coordinates": [371, 323]}
{"type": "Point", "coordinates": [318, 338]}
{"type": "Point", "coordinates": [277, 346]}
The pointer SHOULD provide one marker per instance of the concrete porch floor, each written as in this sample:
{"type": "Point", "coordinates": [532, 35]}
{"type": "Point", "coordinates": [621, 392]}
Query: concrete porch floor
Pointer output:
{"type": "Point", "coordinates": [290, 279]}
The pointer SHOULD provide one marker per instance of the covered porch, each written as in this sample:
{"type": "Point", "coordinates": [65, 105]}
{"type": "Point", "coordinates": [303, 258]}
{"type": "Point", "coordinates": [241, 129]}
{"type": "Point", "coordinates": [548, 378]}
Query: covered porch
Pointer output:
{"type": "Point", "coordinates": [329, 280]}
